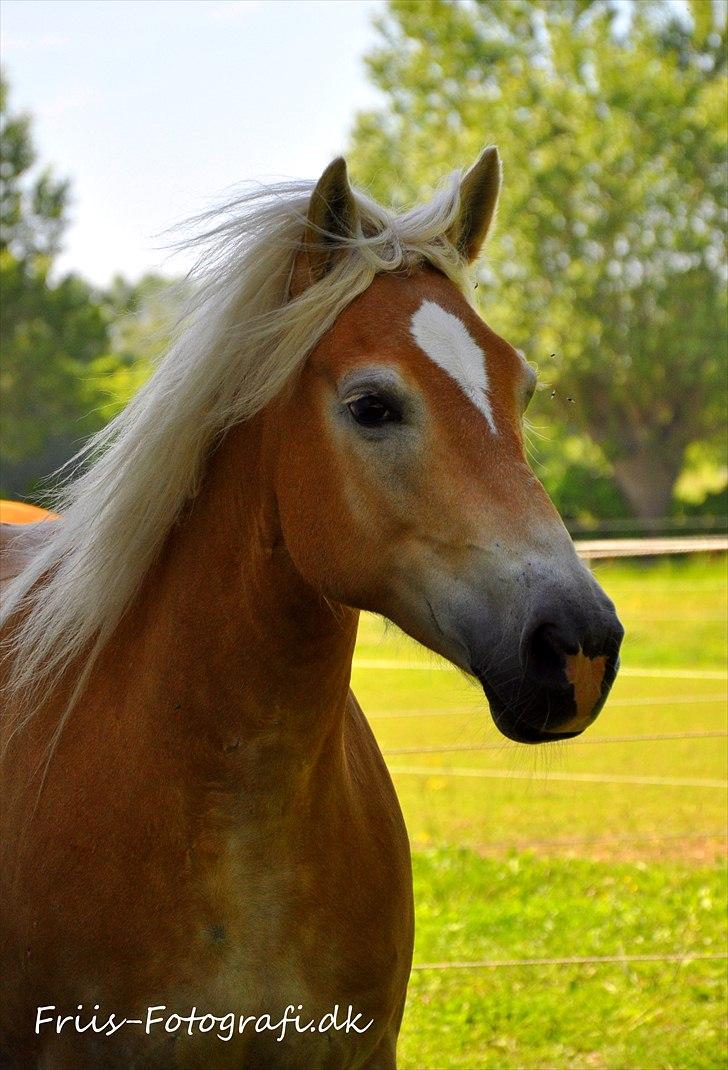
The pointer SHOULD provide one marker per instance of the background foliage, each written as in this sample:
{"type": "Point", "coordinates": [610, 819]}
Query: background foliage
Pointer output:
{"type": "Point", "coordinates": [607, 267]}
{"type": "Point", "coordinates": [72, 356]}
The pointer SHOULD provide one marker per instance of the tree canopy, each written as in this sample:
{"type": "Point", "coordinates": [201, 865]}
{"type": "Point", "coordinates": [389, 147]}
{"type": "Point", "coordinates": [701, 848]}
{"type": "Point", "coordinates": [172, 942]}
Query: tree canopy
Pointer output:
{"type": "Point", "coordinates": [72, 356]}
{"type": "Point", "coordinates": [50, 331]}
{"type": "Point", "coordinates": [607, 265]}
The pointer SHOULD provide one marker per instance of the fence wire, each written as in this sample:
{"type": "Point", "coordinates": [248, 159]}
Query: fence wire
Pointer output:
{"type": "Point", "coordinates": [568, 777]}
{"type": "Point", "coordinates": [650, 738]}
{"type": "Point", "coordinates": [650, 700]}
{"type": "Point", "coordinates": [576, 960]}
{"type": "Point", "coordinates": [580, 841]}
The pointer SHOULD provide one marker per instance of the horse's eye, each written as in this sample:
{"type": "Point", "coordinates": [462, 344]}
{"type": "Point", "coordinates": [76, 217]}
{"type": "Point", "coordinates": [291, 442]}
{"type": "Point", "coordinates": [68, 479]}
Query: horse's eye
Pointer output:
{"type": "Point", "coordinates": [372, 411]}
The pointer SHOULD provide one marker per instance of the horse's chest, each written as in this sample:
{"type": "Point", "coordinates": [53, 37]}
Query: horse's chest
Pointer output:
{"type": "Point", "coordinates": [247, 905]}
{"type": "Point", "coordinates": [300, 944]}
{"type": "Point", "coordinates": [293, 919]}
{"type": "Point", "coordinates": [285, 927]}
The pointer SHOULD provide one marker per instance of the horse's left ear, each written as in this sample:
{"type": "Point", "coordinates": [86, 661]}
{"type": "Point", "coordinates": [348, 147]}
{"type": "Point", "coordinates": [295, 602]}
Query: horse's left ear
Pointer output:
{"type": "Point", "coordinates": [479, 191]}
{"type": "Point", "coordinates": [332, 214]}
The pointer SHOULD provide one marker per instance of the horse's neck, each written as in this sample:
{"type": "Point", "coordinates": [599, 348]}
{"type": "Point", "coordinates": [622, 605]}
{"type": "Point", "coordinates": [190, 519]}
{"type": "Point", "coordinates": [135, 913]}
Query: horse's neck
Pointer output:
{"type": "Point", "coordinates": [229, 633]}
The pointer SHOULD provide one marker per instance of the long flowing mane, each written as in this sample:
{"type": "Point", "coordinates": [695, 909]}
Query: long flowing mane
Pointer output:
{"type": "Point", "coordinates": [241, 342]}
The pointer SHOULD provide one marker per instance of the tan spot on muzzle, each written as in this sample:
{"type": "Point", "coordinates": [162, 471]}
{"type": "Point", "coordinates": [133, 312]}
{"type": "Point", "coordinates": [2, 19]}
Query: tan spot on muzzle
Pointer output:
{"type": "Point", "coordinates": [586, 675]}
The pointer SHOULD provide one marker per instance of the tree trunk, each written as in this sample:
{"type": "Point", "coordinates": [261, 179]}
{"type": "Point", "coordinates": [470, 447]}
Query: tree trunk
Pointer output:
{"type": "Point", "coordinates": [647, 480]}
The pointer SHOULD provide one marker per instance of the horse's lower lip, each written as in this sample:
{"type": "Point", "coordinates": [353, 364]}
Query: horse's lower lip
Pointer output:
{"type": "Point", "coordinates": [518, 724]}
{"type": "Point", "coordinates": [522, 732]}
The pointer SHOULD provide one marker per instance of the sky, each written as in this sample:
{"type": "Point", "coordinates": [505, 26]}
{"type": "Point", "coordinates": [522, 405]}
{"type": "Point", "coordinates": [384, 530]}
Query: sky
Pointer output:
{"type": "Point", "coordinates": [153, 108]}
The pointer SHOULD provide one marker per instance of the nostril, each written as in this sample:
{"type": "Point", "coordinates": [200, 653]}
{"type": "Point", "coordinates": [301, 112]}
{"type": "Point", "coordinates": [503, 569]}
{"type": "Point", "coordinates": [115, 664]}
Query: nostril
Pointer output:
{"type": "Point", "coordinates": [546, 654]}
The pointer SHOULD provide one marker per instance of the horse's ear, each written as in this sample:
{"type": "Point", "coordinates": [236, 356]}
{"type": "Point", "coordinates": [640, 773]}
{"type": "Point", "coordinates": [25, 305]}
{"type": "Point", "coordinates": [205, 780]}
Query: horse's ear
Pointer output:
{"type": "Point", "coordinates": [332, 214]}
{"type": "Point", "coordinates": [479, 191]}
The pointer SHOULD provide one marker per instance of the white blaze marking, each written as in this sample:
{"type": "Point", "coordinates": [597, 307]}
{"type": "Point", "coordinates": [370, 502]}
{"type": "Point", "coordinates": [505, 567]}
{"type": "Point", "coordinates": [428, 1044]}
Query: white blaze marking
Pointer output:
{"type": "Point", "coordinates": [448, 343]}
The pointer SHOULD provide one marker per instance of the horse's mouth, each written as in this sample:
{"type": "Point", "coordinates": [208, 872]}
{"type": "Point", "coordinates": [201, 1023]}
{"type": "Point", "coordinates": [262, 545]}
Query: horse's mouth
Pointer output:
{"type": "Point", "coordinates": [544, 714]}
{"type": "Point", "coordinates": [522, 732]}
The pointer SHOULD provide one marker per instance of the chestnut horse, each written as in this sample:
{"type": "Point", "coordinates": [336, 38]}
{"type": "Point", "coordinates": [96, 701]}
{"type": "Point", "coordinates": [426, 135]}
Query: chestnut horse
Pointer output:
{"type": "Point", "coordinates": [196, 815]}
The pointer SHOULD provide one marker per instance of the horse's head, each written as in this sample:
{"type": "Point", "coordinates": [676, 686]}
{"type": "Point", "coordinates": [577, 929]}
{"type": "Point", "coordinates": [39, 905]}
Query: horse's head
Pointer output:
{"type": "Point", "coordinates": [403, 487]}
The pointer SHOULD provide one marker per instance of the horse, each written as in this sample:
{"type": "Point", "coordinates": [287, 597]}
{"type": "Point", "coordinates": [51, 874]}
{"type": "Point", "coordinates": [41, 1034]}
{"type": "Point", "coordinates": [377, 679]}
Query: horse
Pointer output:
{"type": "Point", "coordinates": [199, 829]}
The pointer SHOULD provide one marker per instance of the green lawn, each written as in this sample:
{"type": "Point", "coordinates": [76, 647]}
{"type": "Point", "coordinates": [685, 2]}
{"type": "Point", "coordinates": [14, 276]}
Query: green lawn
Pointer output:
{"type": "Point", "coordinates": [600, 848]}
{"type": "Point", "coordinates": [598, 1015]}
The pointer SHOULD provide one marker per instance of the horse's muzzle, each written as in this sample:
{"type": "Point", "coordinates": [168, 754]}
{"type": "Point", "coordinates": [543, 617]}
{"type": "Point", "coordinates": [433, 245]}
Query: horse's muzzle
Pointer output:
{"type": "Point", "coordinates": [560, 680]}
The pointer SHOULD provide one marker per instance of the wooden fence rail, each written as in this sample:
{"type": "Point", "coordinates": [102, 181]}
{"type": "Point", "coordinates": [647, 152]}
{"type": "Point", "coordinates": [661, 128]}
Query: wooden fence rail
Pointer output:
{"type": "Point", "coordinates": [596, 549]}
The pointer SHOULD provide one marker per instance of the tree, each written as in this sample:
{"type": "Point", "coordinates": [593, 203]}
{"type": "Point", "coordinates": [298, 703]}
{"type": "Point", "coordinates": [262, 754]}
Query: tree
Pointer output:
{"type": "Point", "coordinates": [31, 209]}
{"type": "Point", "coordinates": [71, 356]}
{"type": "Point", "coordinates": [50, 332]}
{"type": "Point", "coordinates": [142, 317]}
{"type": "Point", "coordinates": [607, 266]}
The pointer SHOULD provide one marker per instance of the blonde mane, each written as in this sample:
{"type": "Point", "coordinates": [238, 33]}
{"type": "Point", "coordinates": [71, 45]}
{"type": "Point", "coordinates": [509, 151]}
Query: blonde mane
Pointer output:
{"type": "Point", "coordinates": [242, 342]}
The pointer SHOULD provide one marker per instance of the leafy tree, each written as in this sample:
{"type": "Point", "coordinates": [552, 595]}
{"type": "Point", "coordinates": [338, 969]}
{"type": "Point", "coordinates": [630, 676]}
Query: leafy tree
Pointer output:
{"type": "Point", "coordinates": [142, 316]}
{"type": "Point", "coordinates": [50, 332]}
{"type": "Point", "coordinates": [31, 209]}
{"type": "Point", "coordinates": [607, 265]}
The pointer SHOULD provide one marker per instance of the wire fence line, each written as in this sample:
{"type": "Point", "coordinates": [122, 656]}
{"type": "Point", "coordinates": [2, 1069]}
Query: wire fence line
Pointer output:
{"type": "Point", "coordinates": [674, 674]}
{"type": "Point", "coordinates": [568, 777]}
{"type": "Point", "coordinates": [581, 841]}
{"type": "Point", "coordinates": [647, 738]}
{"type": "Point", "coordinates": [669, 618]}
{"type": "Point", "coordinates": [647, 673]}
{"type": "Point", "coordinates": [460, 711]}
{"type": "Point", "coordinates": [576, 960]}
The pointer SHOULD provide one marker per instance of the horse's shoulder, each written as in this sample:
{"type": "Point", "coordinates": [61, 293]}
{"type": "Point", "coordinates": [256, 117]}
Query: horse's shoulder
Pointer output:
{"type": "Point", "coordinates": [18, 545]}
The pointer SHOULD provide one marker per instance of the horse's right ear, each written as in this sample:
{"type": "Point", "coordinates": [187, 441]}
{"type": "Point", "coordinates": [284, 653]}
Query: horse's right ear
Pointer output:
{"type": "Point", "coordinates": [479, 191]}
{"type": "Point", "coordinates": [332, 214]}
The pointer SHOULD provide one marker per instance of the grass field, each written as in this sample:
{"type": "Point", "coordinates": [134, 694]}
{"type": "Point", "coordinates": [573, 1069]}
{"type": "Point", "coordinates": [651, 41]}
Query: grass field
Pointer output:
{"type": "Point", "coordinates": [606, 847]}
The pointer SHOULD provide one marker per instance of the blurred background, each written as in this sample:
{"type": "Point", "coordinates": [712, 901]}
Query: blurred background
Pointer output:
{"type": "Point", "coordinates": [607, 267]}
{"type": "Point", "coordinates": [570, 902]}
